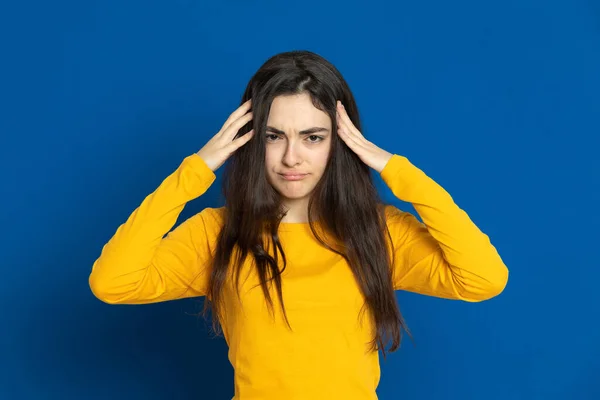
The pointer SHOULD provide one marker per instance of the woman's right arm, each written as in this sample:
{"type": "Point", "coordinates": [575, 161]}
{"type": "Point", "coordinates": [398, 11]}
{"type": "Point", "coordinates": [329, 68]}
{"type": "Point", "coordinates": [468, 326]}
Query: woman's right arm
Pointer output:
{"type": "Point", "coordinates": [140, 264]}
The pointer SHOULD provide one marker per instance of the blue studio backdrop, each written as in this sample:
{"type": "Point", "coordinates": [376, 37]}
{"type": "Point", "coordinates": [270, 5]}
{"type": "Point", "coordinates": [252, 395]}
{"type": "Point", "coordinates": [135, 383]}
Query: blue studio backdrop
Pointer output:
{"type": "Point", "coordinates": [497, 101]}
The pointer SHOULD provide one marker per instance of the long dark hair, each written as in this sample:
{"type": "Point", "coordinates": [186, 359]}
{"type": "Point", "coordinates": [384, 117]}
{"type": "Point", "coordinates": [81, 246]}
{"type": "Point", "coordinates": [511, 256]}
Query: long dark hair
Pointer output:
{"type": "Point", "coordinates": [343, 202]}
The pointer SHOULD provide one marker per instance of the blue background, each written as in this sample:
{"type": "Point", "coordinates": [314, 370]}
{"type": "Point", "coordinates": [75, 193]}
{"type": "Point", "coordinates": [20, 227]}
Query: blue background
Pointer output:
{"type": "Point", "coordinates": [497, 101]}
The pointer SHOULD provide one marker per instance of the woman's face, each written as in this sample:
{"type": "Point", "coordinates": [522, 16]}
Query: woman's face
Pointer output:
{"type": "Point", "coordinates": [298, 140]}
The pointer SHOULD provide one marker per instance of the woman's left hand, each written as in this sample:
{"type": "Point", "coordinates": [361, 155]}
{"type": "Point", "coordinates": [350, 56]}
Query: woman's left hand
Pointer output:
{"type": "Point", "coordinates": [375, 157]}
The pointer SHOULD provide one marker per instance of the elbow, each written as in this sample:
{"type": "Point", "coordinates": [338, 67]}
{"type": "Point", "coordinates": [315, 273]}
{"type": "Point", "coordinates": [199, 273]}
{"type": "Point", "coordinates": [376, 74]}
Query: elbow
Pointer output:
{"type": "Point", "coordinates": [97, 288]}
{"type": "Point", "coordinates": [483, 286]}
{"type": "Point", "coordinates": [99, 281]}
{"type": "Point", "coordinates": [100, 291]}
{"type": "Point", "coordinates": [494, 284]}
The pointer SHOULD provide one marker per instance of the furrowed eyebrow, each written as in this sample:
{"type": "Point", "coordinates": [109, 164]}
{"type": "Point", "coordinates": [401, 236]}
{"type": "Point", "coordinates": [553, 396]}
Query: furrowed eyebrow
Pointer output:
{"type": "Point", "coordinates": [303, 132]}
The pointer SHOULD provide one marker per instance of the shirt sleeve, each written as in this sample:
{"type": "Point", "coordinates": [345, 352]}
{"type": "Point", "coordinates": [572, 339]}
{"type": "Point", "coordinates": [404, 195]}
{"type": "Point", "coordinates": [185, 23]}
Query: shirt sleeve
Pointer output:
{"type": "Point", "coordinates": [140, 265]}
{"type": "Point", "coordinates": [446, 255]}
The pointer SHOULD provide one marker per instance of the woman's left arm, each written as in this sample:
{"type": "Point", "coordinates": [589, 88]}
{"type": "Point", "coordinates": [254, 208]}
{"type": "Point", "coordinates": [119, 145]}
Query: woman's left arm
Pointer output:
{"type": "Point", "coordinates": [446, 255]}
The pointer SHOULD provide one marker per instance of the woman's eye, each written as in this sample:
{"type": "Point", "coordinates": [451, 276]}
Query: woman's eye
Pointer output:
{"type": "Point", "coordinates": [312, 138]}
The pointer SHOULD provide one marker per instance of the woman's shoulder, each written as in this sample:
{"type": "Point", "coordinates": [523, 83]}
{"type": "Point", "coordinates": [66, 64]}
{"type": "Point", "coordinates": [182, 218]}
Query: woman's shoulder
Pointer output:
{"type": "Point", "coordinates": [395, 216]}
{"type": "Point", "coordinates": [390, 211]}
{"type": "Point", "coordinates": [211, 218]}
{"type": "Point", "coordinates": [215, 212]}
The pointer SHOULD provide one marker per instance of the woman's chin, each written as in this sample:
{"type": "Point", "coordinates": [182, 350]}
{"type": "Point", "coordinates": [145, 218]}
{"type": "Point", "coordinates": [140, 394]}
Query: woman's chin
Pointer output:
{"type": "Point", "coordinates": [298, 194]}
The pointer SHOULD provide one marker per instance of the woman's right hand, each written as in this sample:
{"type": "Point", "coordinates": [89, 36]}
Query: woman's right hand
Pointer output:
{"type": "Point", "coordinates": [222, 146]}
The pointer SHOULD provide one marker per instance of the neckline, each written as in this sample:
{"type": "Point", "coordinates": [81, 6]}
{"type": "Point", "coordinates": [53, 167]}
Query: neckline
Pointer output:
{"type": "Point", "coordinates": [294, 226]}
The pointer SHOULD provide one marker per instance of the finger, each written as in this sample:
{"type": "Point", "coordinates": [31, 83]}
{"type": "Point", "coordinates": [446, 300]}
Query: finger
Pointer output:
{"type": "Point", "coordinates": [352, 130]}
{"type": "Point", "coordinates": [235, 126]}
{"type": "Point", "coordinates": [354, 146]}
{"type": "Point", "coordinates": [241, 110]}
{"type": "Point", "coordinates": [345, 132]}
{"type": "Point", "coordinates": [356, 142]}
{"type": "Point", "coordinates": [349, 132]}
{"type": "Point", "coordinates": [240, 141]}
{"type": "Point", "coordinates": [345, 119]}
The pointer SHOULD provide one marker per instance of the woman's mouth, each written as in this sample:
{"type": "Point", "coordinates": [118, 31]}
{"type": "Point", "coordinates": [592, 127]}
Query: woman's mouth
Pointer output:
{"type": "Point", "coordinates": [293, 177]}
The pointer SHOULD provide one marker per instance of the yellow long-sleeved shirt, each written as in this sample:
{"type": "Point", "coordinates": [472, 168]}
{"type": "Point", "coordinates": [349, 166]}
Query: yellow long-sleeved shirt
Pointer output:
{"type": "Point", "coordinates": [325, 357]}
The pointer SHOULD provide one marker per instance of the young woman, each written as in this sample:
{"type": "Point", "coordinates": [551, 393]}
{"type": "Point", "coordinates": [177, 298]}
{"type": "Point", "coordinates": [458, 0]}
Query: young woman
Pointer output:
{"type": "Point", "coordinates": [303, 248]}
